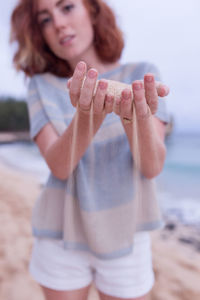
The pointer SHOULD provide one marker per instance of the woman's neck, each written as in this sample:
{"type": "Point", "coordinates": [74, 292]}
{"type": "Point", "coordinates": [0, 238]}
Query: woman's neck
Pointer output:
{"type": "Point", "coordinates": [93, 61]}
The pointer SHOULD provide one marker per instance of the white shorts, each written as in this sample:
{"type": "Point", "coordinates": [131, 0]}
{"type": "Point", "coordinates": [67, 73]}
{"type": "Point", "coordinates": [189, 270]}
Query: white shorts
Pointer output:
{"type": "Point", "coordinates": [130, 276]}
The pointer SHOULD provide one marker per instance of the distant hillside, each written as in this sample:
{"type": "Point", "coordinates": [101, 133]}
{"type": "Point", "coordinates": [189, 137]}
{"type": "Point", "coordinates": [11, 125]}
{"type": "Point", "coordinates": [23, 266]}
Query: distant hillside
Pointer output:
{"type": "Point", "coordinates": [13, 115]}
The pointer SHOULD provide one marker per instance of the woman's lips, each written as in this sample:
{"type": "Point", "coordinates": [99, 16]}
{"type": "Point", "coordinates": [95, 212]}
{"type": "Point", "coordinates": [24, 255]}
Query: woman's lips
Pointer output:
{"type": "Point", "coordinates": [65, 41]}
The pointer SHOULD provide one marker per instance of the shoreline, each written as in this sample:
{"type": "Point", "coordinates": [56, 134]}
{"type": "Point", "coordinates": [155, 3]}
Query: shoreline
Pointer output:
{"type": "Point", "coordinates": [182, 201]}
{"type": "Point", "coordinates": [12, 137]}
{"type": "Point", "coordinates": [183, 207]}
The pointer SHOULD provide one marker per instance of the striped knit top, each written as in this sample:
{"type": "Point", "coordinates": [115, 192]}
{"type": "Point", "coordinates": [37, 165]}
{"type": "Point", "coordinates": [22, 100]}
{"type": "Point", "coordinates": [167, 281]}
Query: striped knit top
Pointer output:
{"type": "Point", "coordinates": [99, 210]}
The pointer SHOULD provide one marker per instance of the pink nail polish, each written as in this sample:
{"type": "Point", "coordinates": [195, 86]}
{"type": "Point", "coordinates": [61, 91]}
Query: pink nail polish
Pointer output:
{"type": "Point", "coordinates": [149, 78]}
{"type": "Point", "coordinates": [92, 73]}
{"type": "Point", "coordinates": [126, 94]}
{"type": "Point", "coordinates": [103, 85]}
{"type": "Point", "coordinates": [137, 86]}
{"type": "Point", "coordinates": [81, 66]}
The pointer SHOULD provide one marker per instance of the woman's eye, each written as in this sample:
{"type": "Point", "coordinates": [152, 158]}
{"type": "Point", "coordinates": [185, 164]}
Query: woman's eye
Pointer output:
{"type": "Point", "coordinates": [68, 7]}
{"type": "Point", "coordinates": [45, 21]}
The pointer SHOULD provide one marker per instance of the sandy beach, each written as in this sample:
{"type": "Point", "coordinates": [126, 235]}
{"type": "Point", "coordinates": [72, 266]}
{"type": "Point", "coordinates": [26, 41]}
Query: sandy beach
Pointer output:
{"type": "Point", "coordinates": [176, 248]}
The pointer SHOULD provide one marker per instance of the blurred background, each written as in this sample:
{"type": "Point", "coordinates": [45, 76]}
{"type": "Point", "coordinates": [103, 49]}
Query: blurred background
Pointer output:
{"type": "Point", "coordinates": [165, 33]}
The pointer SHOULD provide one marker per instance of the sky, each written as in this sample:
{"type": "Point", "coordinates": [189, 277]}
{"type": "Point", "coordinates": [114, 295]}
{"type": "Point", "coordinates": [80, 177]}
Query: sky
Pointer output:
{"type": "Point", "coordinates": [165, 33]}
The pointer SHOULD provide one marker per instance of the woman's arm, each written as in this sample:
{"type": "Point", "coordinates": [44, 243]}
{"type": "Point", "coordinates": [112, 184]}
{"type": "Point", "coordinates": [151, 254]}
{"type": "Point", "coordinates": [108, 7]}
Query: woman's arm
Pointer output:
{"type": "Point", "coordinates": [62, 153]}
{"type": "Point", "coordinates": [149, 152]}
{"type": "Point", "coordinates": [150, 145]}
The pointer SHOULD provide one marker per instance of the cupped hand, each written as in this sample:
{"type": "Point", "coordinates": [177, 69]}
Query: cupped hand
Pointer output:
{"type": "Point", "coordinates": [145, 95]}
{"type": "Point", "coordinates": [82, 88]}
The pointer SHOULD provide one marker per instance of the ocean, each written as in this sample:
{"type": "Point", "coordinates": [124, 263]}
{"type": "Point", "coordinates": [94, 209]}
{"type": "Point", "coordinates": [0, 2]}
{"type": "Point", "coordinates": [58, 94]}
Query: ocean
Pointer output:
{"type": "Point", "coordinates": [178, 184]}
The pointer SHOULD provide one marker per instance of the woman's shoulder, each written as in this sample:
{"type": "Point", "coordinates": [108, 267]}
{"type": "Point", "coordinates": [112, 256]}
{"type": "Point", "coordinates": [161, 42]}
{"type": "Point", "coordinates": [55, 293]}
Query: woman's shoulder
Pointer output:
{"type": "Point", "coordinates": [48, 81]}
{"type": "Point", "coordinates": [137, 70]}
{"type": "Point", "coordinates": [142, 66]}
{"type": "Point", "coordinates": [130, 71]}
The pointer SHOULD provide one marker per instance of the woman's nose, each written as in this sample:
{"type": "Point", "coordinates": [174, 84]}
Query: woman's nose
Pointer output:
{"type": "Point", "coordinates": [60, 21]}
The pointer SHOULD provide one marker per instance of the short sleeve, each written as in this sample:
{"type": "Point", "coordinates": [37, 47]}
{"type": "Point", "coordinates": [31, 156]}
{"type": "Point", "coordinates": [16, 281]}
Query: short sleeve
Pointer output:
{"type": "Point", "coordinates": [37, 115]}
{"type": "Point", "coordinates": [162, 112]}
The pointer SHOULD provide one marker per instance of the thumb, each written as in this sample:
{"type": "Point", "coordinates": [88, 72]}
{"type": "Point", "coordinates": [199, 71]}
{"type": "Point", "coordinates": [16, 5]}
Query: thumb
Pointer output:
{"type": "Point", "coordinates": [162, 89]}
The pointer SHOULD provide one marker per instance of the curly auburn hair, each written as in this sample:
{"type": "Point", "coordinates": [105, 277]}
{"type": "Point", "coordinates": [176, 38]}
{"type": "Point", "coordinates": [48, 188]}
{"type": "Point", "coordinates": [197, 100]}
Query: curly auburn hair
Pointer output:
{"type": "Point", "coordinates": [33, 55]}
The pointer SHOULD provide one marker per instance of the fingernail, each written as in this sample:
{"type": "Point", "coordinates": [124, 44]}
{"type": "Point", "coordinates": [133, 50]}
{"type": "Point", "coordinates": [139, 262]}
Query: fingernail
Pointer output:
{"type": "Point", "coordinates": [81, 66]}
{"type": "Point", "coordinates": [103, 85]}
{"type": "Point", "coordinates": [137, 86]}
{"type": "Point", "coordinates": [149, 78]}
{"type": "Point", "coordinates": [126, 94]}
{"type": "Point", "coordinates": [92, 73]}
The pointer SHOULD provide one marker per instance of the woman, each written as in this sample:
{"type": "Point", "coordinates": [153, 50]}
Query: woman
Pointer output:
{"type": "Point", "coordinates": [84, 223]}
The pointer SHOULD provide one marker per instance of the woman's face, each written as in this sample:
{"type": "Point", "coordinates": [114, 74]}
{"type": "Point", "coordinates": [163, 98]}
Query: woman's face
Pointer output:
{"type": "Point", "coordinates": [66, 27]}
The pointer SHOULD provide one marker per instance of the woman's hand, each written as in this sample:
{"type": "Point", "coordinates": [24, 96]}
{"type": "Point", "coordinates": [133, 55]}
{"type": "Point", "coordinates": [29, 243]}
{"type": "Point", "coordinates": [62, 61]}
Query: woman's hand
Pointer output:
{"type": "Point", "coordinates": [149, 151]}
{"type": "Point", "coordinates": [145, 99]}
{"type": "Point", "coordinates": [82, 87]}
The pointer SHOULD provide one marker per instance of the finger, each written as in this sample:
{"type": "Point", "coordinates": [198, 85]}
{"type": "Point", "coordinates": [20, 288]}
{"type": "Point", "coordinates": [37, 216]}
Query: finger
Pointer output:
{"type": "Point", "coordinates": [77, 81]}
{"type": "Point", "coordinates": [87, 91]}
{"type": "Point", "coordinates": [69, 82]}
{"type": "Point", "coordinates": [141, 106]}
{"type": "Point", "coordinates": [126, 105]}
{"type": "Point", "coordinates": [109, 101]}
{"type": "Point", "coordinates": [162, 89]}
{"type": "Point", "coordinates": [151, 94]}
{"type": "Point", "coordinates": [100, 96]}
{"type": "Point", "coordinates": [116, 105]}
